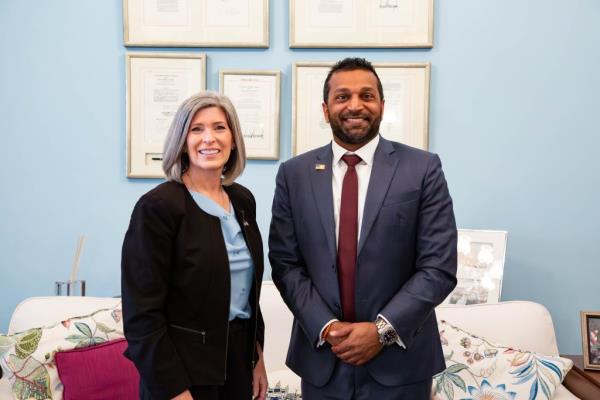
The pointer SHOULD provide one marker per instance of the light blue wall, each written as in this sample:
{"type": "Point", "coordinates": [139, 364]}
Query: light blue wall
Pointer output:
{"type": "Point", "coordinates": [514, 115]}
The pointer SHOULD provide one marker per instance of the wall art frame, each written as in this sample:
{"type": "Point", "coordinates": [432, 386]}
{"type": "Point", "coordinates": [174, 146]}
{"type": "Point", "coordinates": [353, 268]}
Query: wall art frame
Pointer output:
{"type": "Point", "coordinates": [360, 24]}
{"type": "Point", "coordinates": [406, 113]}
{"type": "Point", "coordinates": [196, 23]}
{"type": "Point", "coordinates": [256, 97]}
{"type": "Point", "coordinates": [157, 83]}
{"type": "Point", "coordinates": [480, 270]}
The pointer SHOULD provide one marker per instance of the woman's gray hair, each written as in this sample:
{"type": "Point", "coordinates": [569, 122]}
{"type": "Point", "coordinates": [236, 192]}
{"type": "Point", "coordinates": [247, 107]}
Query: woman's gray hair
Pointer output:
{"type": "Point", "coordinates": [175, 158]}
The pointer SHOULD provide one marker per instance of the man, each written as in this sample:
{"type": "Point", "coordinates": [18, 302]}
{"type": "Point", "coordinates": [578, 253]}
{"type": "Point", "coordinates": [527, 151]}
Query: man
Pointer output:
{"type": "Point", "coordinates": [362, 249]}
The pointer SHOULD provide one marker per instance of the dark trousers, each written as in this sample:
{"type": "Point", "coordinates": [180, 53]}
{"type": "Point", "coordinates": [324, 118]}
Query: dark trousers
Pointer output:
{"type": "Point", "coordinates": [354, 383]}
{"type": "Point", "coordinates": [238, 382]}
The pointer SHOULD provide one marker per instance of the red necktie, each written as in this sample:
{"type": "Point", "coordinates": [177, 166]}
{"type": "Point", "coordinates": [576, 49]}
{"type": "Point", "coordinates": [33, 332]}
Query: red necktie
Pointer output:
{"type": "Point", "coordinates": [348, 237]}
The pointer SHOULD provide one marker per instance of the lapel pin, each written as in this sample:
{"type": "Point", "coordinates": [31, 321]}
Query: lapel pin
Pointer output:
{"type": "Point", "coordinates": [320, 167]}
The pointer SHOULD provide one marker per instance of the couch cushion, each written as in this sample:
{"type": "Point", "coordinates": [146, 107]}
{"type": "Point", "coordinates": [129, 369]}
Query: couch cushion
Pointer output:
{"type": "Point", "coordinates": [522, 324]}
{"type": "Point", "coordinates": [27, 358]}
{"type": "Point", "coordinates": [46, 310]}
{"type": "Point", "coordinates": [278, 322]}
{"type": "Point", "coordinates": [98, 372]}
{"type": "Point", "coordinates": [480, 369]}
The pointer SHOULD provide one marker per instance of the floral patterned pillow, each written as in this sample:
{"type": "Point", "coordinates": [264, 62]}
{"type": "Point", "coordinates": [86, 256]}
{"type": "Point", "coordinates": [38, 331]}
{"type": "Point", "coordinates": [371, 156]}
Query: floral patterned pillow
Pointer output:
{"type": "Point", "coordinates": [477, 369]}
{"type": "Point", "coordinates": [27, 358]}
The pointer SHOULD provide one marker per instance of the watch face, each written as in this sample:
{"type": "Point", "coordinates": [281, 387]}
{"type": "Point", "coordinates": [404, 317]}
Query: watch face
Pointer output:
{"type": "Point", "coordinates": [389, 336]}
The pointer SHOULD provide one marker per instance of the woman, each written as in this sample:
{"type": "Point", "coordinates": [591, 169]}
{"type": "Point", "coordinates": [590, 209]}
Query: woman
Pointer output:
{"type": "Point", "coordinates": [192, 264]}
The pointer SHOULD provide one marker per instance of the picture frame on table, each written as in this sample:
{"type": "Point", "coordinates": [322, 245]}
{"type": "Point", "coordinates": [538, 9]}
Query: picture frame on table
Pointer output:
{"type": "Point", "coordinates": [361, 24]}
{"type": "Point", "coordinates": [256, 97]}
{"type": "Point", "coordinates": [157, 83]}
{"type": "Point", "coordinates": [406, 115]}
{"type": "Point", "coordinates": [590, 335]}
{"type": "Point", "coordinates": [480, 269]}
{"type": "Point", "coordinates": [196, 23]}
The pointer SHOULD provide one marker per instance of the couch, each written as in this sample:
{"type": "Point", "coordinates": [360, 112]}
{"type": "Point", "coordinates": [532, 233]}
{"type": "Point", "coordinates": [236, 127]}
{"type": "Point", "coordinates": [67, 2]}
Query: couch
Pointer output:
{"type": "Point", "coordinates": [534, 328]}
{"type": "Point", "coordinates": [495, 322]}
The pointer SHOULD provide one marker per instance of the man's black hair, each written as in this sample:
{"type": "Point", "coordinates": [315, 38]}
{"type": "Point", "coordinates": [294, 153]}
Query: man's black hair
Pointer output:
{"type": "Point", "coordinates": [351, 64]}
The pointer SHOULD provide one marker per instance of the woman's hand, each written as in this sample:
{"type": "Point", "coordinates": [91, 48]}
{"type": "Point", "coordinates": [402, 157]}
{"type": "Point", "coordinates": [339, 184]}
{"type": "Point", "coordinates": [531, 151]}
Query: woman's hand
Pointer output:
{"type": "Point", "coordinates": [187, 395]}
{"type": "Point", "coordinates": [259, 377]}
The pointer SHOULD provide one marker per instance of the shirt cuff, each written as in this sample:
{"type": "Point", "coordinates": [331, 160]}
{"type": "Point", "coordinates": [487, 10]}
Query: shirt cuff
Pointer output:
{"type": "Point", "coordinates": [321, 339]}
{"type": "Point", "coordinates": [399, 341]}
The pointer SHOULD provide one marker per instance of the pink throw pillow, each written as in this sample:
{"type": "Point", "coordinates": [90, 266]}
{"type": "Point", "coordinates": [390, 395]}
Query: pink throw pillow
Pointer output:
{"type": "Point", "coordinates": [97, 373]}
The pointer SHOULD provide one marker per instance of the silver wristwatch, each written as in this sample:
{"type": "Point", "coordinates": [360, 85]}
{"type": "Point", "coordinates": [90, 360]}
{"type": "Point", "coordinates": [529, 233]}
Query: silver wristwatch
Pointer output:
{"type": "Point", "coordinates": [387, 333]}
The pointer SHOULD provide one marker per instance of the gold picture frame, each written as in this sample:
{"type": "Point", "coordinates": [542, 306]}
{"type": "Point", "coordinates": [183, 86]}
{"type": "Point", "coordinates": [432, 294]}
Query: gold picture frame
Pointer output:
{"type": "Point", "coordinates": [590, 338]}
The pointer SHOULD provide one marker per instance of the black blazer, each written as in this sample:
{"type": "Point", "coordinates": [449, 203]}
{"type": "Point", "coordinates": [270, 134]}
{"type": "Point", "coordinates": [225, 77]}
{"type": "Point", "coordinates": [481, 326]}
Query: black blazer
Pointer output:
{"type": "Point", "coordinates": [175, 283]}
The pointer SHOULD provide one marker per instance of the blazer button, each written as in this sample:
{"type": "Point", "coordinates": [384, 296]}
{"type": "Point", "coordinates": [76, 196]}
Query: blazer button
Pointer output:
{"type": "Point", "coordinates": [337, 305]}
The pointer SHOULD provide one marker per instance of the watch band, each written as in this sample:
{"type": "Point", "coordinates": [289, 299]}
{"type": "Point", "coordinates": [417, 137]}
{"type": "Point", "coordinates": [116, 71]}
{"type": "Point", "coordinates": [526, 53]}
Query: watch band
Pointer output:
{"type": "Point", "coordinates": [387, 333]}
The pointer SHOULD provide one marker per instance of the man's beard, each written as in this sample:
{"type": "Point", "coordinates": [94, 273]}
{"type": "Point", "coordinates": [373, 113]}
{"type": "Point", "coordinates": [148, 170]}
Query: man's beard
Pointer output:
{"type": "Point", "coordinates": [345, 137]}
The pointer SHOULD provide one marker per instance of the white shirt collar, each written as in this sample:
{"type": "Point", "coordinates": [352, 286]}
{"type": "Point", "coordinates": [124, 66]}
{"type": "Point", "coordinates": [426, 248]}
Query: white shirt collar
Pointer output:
{"type": "Point", "coordinates": [366, 153]}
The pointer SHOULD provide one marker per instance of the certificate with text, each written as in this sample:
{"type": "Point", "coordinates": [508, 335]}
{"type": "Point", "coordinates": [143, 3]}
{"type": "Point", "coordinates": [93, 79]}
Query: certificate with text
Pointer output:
{"type": "Point", "coordinates": [156, 85]}
{"type": "Point", "coordinates": [361, 23]}
{"type": "Point", "coordinates": [406, 112]}
{"type": "Point", "coordinates": [255, 95]}
{"type": "Point", "coordinates": [191, 23]}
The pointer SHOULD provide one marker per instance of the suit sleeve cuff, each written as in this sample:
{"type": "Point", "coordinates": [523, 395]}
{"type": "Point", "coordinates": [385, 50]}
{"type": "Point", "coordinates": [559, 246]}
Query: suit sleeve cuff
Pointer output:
{"type": "Point", "coordinates": [321, 338]}
{"type": "Point", "coordinates": [399, 341]}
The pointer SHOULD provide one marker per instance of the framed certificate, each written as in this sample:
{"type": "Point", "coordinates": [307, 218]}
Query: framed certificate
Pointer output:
{"type": "Point", "coordinates": [406, 113]}
{"type": "Point", "coordinates": [196, 23]}
{"type": "Point", "coordinates": [157, 83]}
{"type": "Point", "coordinates": [255, 95]}
{"type": "Point", "coordinates": [356, 23]}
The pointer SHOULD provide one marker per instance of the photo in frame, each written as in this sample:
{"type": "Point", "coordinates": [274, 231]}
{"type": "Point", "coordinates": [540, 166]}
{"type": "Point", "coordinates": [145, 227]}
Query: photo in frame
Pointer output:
{"type": "Point", "coordinates": [406, 113]}
{"type": "Point", "coordinates": [256, 97]}
{"type": "Point", "coordinates": [481, 256]}
{"type": "Point", "coordinates": [196, 23]}
{"type": "Point", "coordinates": [360, 24]}
{"type": "Point", "coordinates": [157, 83]}
{"type": "Point", "coordinates": [590, 335]}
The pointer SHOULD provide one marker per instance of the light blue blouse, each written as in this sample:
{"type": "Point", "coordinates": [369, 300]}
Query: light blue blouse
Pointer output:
{"type": "Point", "coordinates": [241, 266]}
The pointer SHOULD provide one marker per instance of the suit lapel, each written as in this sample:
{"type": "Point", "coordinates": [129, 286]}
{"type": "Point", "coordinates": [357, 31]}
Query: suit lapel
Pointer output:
{"type": "Point", "coordinates": [320, 177]}
{"type": "Point", "coordinates": [384, 166]}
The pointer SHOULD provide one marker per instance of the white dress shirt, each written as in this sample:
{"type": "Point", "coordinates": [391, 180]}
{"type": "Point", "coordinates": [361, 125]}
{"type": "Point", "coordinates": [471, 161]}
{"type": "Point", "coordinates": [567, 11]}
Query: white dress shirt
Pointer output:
{"type": "Point", "coordinates": [363, 172]}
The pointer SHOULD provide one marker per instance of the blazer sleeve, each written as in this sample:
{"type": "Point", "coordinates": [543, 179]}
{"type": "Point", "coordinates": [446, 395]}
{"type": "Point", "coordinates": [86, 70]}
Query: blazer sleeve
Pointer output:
{"type": "Point", "coordinates": [288, 267]}
{"type": "Point", "coordinates": [435, 275]}
{"type": "Point", "coordinates": [145, 274]}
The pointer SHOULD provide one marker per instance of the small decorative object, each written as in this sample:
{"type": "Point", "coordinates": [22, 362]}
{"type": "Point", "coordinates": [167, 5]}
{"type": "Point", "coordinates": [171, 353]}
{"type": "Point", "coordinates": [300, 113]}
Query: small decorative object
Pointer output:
{"type": "Point", "coordinates": [590, 334]}
{"type": "Point", "coordinates": [255, 95]}
{"type": "Point", "coordinates": [480, 267]}
{"type": "Point", "coordinates": [373, 23]}
{"type": "Point", "coordinates": [73, 287]}
{"type": "Point", "coordinates": [196, 23]}
{"type": "Point", "coordinates": [406, 115]}
{"type": "Point", "coordinates": [157, 83]}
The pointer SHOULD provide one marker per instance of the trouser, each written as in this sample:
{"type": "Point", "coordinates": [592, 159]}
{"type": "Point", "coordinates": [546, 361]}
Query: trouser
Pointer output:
{"type": "Point", "coordinates": [349, 382]}
{"type": "Point", "coordinates": [238, 382]}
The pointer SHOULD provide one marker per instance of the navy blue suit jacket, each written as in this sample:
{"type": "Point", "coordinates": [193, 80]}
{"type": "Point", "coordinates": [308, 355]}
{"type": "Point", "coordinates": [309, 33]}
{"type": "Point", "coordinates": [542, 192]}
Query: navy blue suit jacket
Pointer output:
{"type": "Point", "coordinates": [406, 262]}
